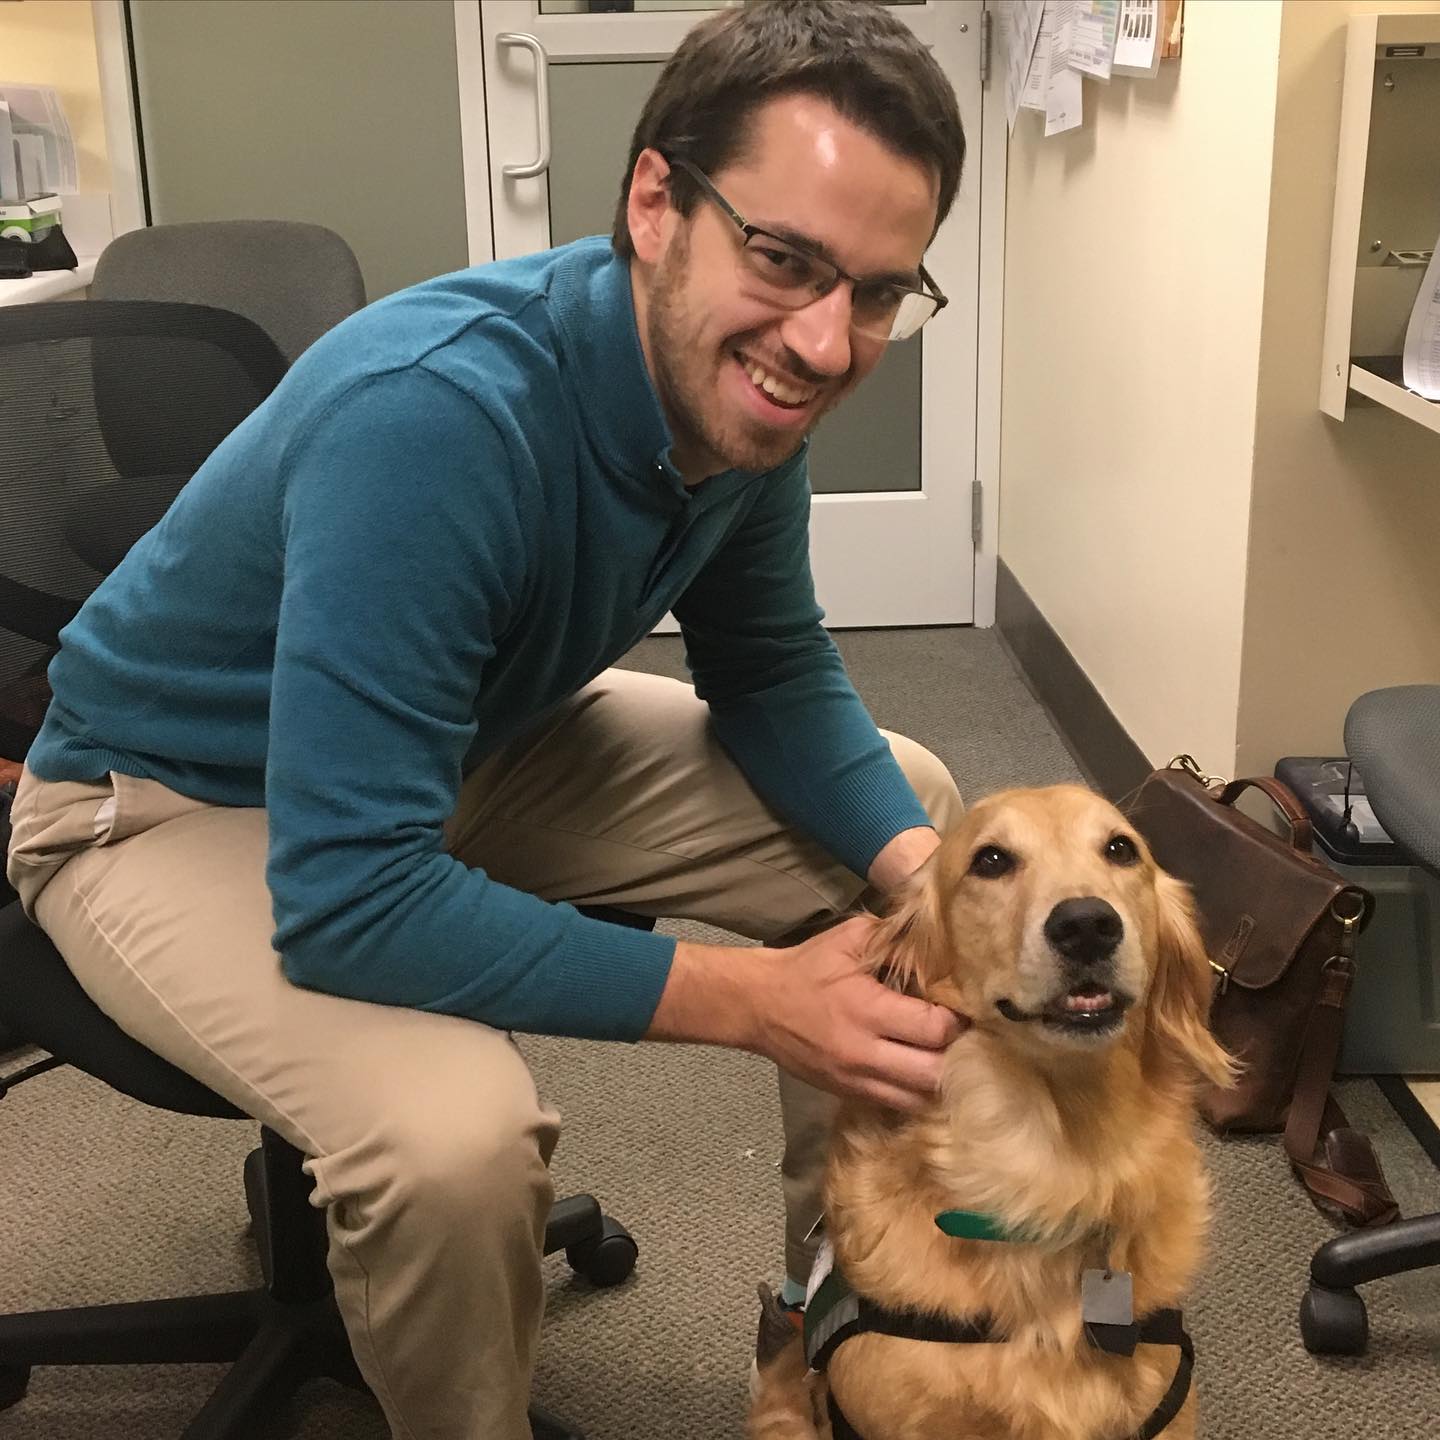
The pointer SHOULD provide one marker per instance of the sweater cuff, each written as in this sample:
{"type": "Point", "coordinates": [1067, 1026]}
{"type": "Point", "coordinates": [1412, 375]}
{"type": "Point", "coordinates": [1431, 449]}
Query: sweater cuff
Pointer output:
{"type": "Point", "coordinates": [608, 981]}
{"type": "Point", "coordinates": [864, 813]}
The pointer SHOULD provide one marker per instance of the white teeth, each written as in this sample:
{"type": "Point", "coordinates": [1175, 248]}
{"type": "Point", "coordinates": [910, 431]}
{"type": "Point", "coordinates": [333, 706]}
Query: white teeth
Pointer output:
{"type": "Point", "coordinates": [786, 394]}
{"type": "Point", "coordinates": [1102, 1001]}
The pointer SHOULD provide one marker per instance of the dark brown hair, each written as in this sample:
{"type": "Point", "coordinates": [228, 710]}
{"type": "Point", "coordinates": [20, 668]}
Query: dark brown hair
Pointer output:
{"type": "Point", "coordinates": [855, 55]}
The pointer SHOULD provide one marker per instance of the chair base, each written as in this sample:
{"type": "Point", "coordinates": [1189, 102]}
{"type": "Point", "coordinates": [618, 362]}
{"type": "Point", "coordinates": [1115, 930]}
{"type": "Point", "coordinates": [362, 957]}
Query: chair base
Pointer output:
{"type": "Point", "coordinates": [1333, 1319]}
{"type": "Point", "coordinates": [276, 1348]}
{"type": "Point", "coordinates": [279, 1337]}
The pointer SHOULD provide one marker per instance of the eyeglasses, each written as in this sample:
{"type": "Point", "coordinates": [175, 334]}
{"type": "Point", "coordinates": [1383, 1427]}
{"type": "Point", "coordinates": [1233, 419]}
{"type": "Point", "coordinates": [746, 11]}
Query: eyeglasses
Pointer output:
{"type": "Point", "coordinates": [790, 275]}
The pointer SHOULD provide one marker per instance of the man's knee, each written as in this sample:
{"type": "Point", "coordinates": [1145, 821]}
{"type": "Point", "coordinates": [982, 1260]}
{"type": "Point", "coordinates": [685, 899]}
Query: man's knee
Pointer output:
{"type": "Point", "coordinates": [930, 780]}
{"type": "Point", "coordinates": [475, 1158]}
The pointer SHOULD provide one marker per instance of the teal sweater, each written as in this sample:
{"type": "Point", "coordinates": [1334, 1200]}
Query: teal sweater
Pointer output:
{"type": "Point", "coordinates": [456, 510]}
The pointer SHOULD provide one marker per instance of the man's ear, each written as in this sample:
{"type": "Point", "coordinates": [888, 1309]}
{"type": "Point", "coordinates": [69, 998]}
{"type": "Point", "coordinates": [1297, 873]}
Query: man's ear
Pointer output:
{"type": "Point", "coordinates": [648, 211]}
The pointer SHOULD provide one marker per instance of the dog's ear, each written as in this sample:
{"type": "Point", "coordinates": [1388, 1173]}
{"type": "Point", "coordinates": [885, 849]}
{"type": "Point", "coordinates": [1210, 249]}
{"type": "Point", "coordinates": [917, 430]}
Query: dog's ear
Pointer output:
{"type": "Point", "coordinates": [907, 946]}
{"type": "Point", "coordinates": [1182, 987]}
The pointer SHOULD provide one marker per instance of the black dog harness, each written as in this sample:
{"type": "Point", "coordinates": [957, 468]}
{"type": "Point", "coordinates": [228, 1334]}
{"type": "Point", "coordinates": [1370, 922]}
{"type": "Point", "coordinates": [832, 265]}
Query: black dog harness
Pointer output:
{"type": "Point", "coordinates": [836, 1314]}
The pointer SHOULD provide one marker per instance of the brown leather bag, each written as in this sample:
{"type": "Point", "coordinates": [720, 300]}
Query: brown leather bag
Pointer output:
{"type": "Point", "coordinates": [1280, 929]}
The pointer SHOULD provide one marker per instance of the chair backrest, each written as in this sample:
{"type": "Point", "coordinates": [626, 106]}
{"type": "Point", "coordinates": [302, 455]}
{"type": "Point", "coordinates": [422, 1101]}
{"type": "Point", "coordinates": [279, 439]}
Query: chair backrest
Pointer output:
{"type": "Point", "coordinates": [293, 280]}
{"type": "Point", "coordinates": [106, 409]}
{"type": "Point", "coordinates": [1393, 736]}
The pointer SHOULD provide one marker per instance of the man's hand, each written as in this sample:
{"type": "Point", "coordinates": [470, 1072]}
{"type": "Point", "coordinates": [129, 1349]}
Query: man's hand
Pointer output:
{"type": "Point", "coordinates": [815, 1010]}
{"type": "Point", "coordinates": [825, 1018]}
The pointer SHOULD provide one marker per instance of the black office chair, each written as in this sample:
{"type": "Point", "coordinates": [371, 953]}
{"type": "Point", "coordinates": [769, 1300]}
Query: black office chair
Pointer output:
{"type": "Point", "coordinates": [106, 409]}
{"type": "Point", "coordinates": [108, 406]}
{"type": "Point", "coordinates": [1393, 736]}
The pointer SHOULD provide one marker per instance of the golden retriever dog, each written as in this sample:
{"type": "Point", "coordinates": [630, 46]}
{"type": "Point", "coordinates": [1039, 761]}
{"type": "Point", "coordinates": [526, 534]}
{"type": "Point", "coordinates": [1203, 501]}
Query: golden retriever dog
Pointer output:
{"type": "Point", "coordinates": [1066, 1119]}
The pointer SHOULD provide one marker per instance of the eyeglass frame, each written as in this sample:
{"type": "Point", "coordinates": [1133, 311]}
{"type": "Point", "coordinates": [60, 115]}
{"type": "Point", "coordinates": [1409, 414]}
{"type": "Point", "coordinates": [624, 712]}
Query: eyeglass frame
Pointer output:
{"type": "Point", "coordinates": [927, 287]}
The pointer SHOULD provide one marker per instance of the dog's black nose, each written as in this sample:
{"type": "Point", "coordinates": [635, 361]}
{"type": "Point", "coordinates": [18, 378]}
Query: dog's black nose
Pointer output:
{"type": "Point", "coordinates": [1084, 930]}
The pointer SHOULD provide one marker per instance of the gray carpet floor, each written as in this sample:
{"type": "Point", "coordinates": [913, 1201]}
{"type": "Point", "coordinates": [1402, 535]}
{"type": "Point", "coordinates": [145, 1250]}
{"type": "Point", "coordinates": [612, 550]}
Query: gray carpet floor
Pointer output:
{"type": "Point", "coordinates": [103, 1200]}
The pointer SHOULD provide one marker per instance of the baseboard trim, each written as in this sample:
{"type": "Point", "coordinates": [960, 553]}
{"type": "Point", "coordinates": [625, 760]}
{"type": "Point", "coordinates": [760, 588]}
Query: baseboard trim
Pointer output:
{"type": "Point", "coordinates": [1110, 759]}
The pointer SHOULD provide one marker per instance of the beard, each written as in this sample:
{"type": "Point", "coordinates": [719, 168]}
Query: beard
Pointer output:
{"type": "Point", "coordinates": [686, 379]}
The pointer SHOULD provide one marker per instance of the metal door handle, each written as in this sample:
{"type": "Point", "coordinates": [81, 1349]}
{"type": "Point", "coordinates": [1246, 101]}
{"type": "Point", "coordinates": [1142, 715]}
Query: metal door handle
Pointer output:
{"type": "Point", "coordinates": [541, 162]}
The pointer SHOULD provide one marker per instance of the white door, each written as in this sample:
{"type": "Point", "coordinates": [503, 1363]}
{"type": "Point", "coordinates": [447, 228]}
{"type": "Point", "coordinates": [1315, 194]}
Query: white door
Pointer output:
{"type": "Point", "coordinates": [892, 469]}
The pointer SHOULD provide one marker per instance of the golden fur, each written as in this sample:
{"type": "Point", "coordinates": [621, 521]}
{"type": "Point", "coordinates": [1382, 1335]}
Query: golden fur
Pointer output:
{"type": "Point", "coordinates": [1087, 1140]}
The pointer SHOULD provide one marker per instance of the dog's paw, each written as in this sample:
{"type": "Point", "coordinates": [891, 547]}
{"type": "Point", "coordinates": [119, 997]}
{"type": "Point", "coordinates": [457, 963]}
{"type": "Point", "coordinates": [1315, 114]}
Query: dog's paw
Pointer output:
{"type": "Point", "coordinates": [785, 1397]}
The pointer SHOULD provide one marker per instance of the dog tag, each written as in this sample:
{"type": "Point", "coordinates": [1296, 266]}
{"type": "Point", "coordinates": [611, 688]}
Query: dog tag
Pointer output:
{"type": "Point", "coordinates": [1107, 1297]}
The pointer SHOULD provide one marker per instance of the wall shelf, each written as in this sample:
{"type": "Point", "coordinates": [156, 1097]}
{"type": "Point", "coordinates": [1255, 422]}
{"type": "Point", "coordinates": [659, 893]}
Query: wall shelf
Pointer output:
{"type": "Point", "coordinates": [1387, 203]}
{"type": "Point", "coordinates": [1395, 397]}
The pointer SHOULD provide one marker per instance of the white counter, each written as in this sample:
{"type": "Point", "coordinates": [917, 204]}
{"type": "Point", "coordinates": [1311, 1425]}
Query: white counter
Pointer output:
{"type": "Point", "coordinates": [49, 284]}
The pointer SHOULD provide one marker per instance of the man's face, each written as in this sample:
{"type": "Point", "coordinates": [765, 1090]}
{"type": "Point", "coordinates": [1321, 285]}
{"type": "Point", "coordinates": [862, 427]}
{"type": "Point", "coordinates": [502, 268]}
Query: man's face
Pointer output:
{"type": "Point", "coordinates": [808, 174]}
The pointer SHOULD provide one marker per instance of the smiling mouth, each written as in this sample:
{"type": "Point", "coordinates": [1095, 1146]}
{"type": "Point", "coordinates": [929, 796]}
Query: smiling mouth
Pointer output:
{"type": "Point", "coordinates": [1085, 1009]}
{"type": "Point", "coordinates": [785, 393]}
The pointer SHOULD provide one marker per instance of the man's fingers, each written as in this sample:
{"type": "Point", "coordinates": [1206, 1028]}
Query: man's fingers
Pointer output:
{"type": "Point", "coordinates": [916, 1022]}
{"type": "Point", "coordinates": [905, 1067]}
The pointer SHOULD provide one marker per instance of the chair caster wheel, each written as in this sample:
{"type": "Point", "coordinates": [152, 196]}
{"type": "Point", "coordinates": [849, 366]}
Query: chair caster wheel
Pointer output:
{"type": "Point", "coordinates": [609, 1258]}
{"type": "Point", "coordinates": [1333, 1322]}
{"type": "Point", "coordinates": [13, 1382]}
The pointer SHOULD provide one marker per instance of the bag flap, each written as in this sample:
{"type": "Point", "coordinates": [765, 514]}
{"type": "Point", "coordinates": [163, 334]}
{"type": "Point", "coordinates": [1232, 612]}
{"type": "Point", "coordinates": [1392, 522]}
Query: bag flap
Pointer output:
{"type": "Point", "coordinates": [1257, 897]}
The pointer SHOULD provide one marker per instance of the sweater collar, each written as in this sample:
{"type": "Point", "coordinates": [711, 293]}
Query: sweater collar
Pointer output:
{"type": "Point", "coordinates": [594, 307]}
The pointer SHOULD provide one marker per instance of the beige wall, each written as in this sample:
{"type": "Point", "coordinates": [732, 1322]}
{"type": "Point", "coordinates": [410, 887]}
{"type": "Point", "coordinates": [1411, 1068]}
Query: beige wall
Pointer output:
{"type": "Point", "coordinates": [1135, 263]}
{"type": "Point", "coordinates": [52, 42]}
{"type": "Point", "coordinates": [1344, 580]}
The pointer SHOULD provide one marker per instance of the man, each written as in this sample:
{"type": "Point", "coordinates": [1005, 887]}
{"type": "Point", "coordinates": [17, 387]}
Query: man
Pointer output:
{"type": "Point", "coordinates": [327, 745]}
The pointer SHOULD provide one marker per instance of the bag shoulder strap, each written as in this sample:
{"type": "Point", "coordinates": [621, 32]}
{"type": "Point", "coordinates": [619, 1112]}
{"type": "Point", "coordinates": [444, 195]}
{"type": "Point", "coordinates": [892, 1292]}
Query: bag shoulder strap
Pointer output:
{"type": "Point", "coordinates": [1345, 1172]}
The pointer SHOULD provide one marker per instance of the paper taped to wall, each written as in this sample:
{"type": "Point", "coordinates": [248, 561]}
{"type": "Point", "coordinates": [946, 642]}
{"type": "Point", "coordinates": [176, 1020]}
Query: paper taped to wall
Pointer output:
{"type": "Point", "coordinates": [1063, 100]}
{"type": "Point", "coordinates": [1032, 97]}
{"type": "Point", "coordinates": [1092, 36]}
{"type": "Point", "coordinates": [1019, 25]}
{"type": "Point", "coordinates": [1137, 39]}
{"type": "Point", "coordinates": [1421, 361]}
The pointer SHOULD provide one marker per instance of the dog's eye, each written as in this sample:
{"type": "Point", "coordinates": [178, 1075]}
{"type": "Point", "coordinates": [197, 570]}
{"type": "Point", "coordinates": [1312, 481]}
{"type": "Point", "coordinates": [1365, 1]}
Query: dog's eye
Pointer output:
{"type": "Point", "coordinates": [991, 862]}
{"type": "Point", "coordinates": [1120, 850]}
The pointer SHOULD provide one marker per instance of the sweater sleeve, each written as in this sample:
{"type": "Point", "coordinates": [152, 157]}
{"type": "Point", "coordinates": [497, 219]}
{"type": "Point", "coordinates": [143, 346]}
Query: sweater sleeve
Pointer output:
{"type": "Point", "coordinates": [404, 542]}
{"type": "Point", "coordinates": [779, 697]}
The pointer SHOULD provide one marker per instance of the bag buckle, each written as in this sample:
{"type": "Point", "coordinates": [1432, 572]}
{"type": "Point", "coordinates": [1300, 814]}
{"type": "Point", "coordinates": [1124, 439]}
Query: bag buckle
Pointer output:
{"type": "Point", "coordinates": [1191, 766]}
{"type": "Point", "coordinates": [1348, 923]}
{"type": "Point", "coordinates": [1222, 977]}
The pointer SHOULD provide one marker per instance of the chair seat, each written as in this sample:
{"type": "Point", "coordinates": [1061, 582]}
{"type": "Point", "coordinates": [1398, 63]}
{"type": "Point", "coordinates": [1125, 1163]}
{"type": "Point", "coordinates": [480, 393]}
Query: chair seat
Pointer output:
{"type": "Point", "coordinates": [1393, 736]}
{"type": "Point", "coordinates": [43, 1003]}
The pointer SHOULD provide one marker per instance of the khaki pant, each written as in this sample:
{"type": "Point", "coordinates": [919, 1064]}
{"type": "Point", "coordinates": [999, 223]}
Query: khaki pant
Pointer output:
{"type": "Point", "coordinates": [428, 1142]}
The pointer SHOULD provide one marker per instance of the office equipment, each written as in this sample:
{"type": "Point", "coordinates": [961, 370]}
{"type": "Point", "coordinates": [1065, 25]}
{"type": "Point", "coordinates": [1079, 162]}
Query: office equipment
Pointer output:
{"type": "Point", "coordinates": [37, 150]}
{"type": "Point", "coordinates": [36, 225]}
{"type": "Point", "coordinates": [29, 220]}
{"type": "Point", "coordinates": [1391, 1022]}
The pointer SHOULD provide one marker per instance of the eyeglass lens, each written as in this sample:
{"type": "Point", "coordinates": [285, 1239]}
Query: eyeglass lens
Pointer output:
{"type": "Point", "coordinates": [793, 277]}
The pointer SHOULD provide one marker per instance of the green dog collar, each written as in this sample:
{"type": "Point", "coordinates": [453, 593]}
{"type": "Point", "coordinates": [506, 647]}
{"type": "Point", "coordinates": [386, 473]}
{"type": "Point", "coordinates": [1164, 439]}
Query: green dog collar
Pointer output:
{"type": "Point", "coordinates": [973, 1225]}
